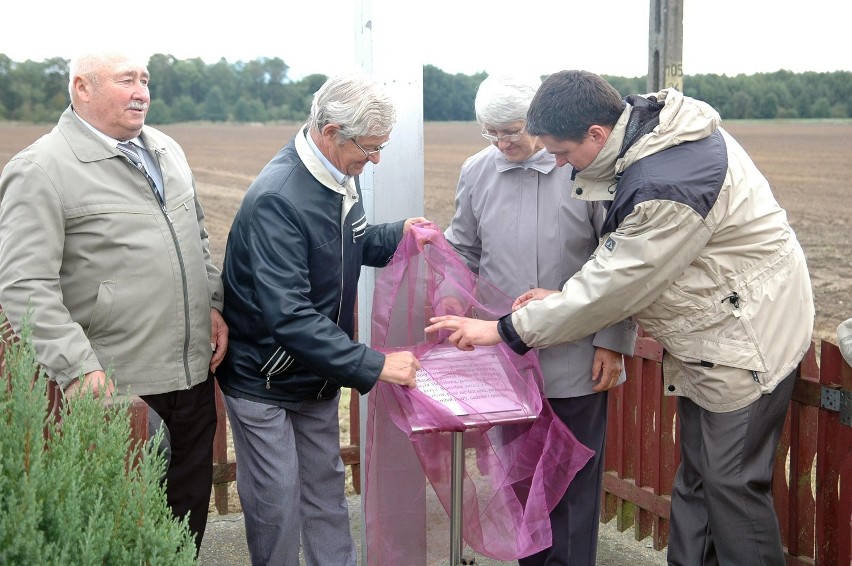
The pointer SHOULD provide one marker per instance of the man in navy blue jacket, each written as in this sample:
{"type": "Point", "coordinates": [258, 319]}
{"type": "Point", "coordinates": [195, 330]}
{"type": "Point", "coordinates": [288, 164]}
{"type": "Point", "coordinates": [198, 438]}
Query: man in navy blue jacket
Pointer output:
{"type": "Point", "coordinates": [291, 270]}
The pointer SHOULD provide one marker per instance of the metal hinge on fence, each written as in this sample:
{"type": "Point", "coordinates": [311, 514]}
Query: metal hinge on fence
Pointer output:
{"type": "Point", "coordinates": [838, 400]}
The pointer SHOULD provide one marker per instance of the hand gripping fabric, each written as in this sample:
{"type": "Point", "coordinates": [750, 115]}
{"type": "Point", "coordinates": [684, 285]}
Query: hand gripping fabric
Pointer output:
{"type": "Point", "coordinates": [515, 470]}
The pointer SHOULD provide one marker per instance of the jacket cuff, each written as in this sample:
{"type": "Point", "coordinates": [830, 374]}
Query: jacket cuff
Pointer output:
{"type": "Point", "coordinates": [506, 330]}
{"type": "Point", "coordinates": [66, 377]}
{"type": "Point", "coordinates": [369, 371]}
{"type": "Point", "coordinates": [620, 337]}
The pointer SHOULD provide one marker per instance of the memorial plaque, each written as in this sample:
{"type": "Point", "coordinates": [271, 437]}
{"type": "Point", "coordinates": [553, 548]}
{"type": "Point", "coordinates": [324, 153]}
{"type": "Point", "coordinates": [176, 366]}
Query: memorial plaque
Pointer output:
{"type": "Point", "coordinates": [472, 385]}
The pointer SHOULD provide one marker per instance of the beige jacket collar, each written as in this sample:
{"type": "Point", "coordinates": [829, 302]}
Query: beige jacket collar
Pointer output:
{"type": "Point", "coordinates": [321, 173]}
{"type": "Point", "coordinates": [682, 119]}
{"type": "Point", "coordinates": [597, 181]}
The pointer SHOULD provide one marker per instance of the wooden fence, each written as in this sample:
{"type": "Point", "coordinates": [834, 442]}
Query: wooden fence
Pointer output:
{"type": "Point", "coordinates": [812, 484]}
{"type": "Point", "coordinates": [813, 468]}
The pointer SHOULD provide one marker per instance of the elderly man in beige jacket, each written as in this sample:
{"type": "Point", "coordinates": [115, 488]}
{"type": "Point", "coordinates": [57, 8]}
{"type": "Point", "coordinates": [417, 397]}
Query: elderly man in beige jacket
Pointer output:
{"type": "Point", "coordinates": [109, 250]}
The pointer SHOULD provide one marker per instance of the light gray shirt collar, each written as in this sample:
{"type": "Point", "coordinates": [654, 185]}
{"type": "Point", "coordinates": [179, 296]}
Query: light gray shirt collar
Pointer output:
{"type": "Point", "coordinates": [335, 172]}
{"type": "Point", "coordinates": [109, 140]}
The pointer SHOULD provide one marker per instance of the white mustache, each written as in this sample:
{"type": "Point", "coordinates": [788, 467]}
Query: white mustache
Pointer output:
{"type": "Point", "coordinates": [136, 105]}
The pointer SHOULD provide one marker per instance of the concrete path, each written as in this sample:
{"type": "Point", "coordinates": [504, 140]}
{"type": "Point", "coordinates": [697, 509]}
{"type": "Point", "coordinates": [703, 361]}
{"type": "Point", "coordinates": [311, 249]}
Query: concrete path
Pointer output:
{"type": "Point", "coordinates": [225, 544]}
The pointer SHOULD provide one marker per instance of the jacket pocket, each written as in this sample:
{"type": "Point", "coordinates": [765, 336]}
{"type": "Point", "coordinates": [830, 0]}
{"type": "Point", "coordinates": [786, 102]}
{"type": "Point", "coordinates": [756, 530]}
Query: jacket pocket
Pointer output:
{"type": "Point", "coordinates": [101, 313]}
{"type": "Point", "coordinates": [185, 201]}
{"type": "Point", "coordinates": [279, 362]}
{"type": "Point", "coordinates": [716, 387]}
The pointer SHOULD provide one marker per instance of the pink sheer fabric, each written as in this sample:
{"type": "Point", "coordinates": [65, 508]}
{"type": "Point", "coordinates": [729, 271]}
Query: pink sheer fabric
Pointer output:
{"type": "Point", "coordinates": [519, 457]}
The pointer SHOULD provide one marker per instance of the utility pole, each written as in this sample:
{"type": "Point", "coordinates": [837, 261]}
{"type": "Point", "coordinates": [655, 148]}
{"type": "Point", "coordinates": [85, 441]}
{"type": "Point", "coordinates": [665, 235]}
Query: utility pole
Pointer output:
{"type": "Point", "coordinates": [665, 45]}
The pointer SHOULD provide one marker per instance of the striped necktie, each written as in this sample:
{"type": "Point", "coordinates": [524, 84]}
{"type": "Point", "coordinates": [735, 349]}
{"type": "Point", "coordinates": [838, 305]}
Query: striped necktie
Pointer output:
{"type": "Point", "coordinates": [131, 150]}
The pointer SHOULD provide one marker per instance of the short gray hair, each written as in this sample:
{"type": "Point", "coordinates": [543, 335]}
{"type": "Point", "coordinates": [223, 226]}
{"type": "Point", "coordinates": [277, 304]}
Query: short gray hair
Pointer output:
{"type": "Point", "coordinates": [503, 99]}
{"type": "Point", "coordinates": [90, 65]}
{"type": "Point", "coordinates": [357, 103]}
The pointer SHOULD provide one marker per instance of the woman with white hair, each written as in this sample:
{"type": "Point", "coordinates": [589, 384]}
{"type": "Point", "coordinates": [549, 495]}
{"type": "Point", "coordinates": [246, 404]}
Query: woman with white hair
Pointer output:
{"type": "Point", "coordinates": [517, 226]}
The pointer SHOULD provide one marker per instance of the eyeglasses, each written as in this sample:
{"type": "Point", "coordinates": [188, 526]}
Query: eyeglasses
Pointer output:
{"type": "Point", "coordinates": [505, 137]}
{"type": "Point", "coordinates": [373, 152]}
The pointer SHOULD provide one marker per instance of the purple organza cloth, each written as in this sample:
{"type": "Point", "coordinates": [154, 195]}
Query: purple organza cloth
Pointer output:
{"type": "Point", "coordinates": [519, 457]}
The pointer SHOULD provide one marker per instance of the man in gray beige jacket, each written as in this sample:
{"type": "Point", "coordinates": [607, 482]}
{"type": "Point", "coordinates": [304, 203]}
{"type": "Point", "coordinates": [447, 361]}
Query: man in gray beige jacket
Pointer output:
{"type": "Point", "coordinates": [105, 244]}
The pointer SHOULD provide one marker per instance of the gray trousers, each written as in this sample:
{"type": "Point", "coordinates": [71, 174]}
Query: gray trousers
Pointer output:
{"type": "Point", "coordinates": [576, 518]}
{"type": "Point", "coordinates": [722, 510]}
{"type": "Point", "coordinates": [290, 480]}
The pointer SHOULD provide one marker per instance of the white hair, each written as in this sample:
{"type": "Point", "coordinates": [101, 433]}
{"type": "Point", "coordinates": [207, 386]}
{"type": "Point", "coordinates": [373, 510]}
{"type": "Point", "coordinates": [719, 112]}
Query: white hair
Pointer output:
{"type": "Point", "coordinates": [357, 103]}
{"type": "Point", "coordinates": [504, 99]}
{"type": "Point", "coordinates": [91, 63]}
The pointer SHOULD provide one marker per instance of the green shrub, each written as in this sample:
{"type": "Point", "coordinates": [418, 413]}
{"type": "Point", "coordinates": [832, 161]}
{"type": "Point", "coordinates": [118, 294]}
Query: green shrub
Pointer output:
{"type": "Point", "coordinates": [81, 491]}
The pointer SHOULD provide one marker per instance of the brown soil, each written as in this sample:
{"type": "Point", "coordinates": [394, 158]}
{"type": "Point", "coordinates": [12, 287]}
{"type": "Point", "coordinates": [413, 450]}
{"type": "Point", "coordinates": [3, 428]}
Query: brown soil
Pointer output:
{"type": "Point", "coordinates": [809, 165]}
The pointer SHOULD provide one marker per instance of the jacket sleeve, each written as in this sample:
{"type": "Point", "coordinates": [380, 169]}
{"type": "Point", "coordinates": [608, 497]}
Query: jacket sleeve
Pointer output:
{"type": "Point", "coordinates": [214, 276]}
{"type": "Point", "coordinates": [631, 268]}
{"type": "Point", "coordinates": [844, 339]}
{"type": "Point", "coordinates": [279, 252]}
{"type": "Point", "coordinates": [621, 336]}
{"type": "Point", "coordinates": [380, 243]}
{"type": "Point", "coordinates": [462, 233]}
{"type": "Point", "coordinates": [32, 238]}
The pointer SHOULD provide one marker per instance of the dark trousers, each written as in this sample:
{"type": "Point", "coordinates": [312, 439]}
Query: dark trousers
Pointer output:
{"type": "Point", "coordinates": [722, 507]}
{"type": "Point", "coordinates": [190, 417]}
{"type": "Point", "coordinates": [576, 518]}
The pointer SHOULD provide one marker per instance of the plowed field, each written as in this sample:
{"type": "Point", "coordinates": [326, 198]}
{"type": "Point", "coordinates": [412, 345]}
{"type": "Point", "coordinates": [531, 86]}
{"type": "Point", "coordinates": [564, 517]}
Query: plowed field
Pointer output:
{"type": "Point", "coordinates": [809, 165]}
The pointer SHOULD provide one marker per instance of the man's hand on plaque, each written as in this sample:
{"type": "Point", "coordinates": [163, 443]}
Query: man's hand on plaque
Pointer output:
{"type": "Point", "coordinates": [400, 368]}
{"type": "Point", "coordinates": [465, 333]}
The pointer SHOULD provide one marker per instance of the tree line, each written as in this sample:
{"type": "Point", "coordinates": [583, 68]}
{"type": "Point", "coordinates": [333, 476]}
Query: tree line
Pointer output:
{"type": "Point", "coordinates": [186, 90]}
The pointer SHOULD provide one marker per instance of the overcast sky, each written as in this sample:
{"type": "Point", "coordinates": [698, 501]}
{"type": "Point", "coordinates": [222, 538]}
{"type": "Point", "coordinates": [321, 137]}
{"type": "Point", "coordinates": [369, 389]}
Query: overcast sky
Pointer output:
{"type": "Point", "coordinates": [458, 36]}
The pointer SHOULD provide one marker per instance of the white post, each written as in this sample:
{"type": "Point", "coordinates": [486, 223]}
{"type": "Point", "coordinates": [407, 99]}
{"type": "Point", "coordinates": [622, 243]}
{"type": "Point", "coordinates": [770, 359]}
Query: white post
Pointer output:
{"type": "Point", "coordinates": [388, 46]}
